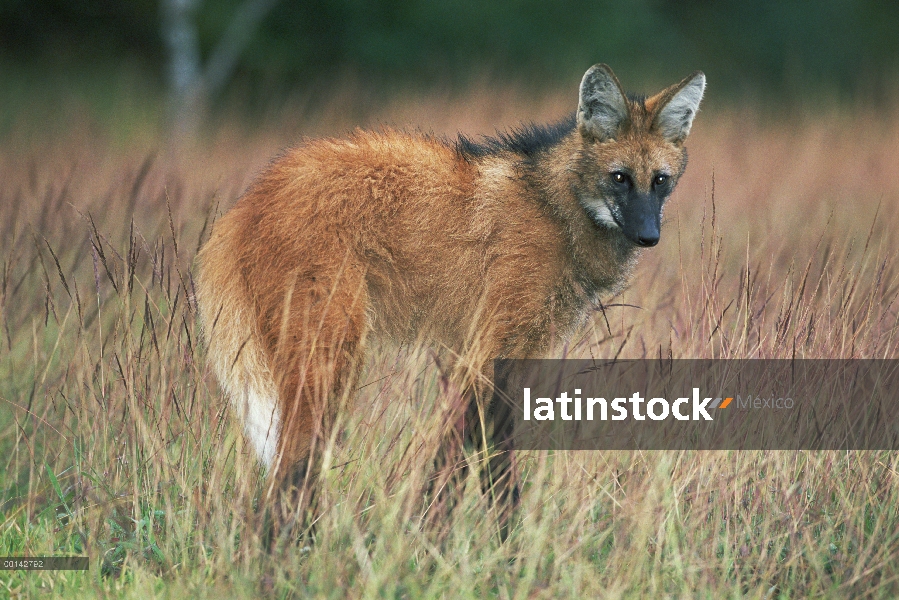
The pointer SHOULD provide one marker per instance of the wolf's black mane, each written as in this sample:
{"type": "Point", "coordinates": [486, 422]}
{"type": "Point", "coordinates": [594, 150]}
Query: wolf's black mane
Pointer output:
{"type": "Point", "coordinates": [526, 140]}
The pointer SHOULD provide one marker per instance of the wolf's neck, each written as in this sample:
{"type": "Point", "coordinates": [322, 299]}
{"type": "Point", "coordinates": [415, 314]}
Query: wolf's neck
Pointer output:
{"type": "Point", "coordinates": [601, 257]}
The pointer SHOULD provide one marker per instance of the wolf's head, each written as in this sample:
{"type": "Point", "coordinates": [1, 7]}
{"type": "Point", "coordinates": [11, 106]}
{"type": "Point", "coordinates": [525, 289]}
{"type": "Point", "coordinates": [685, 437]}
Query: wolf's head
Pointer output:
{"type": "Point", "coordinates": [632, 151]}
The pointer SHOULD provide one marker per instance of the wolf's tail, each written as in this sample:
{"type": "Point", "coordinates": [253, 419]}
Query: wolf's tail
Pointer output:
{"type": "Point", "coordinates": [230, 332]}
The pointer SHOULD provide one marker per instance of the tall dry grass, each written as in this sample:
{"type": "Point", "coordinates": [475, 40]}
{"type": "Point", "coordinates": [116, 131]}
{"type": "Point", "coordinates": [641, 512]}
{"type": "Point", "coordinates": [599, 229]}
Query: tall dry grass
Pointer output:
{"type": "Point", "coordinates": [116, 443]}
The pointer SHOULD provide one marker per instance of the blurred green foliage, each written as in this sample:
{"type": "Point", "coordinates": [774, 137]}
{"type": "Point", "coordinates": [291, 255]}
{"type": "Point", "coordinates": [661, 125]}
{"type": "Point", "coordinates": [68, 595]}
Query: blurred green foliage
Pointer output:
{"type": "Point", "coordinates": [781, 46]}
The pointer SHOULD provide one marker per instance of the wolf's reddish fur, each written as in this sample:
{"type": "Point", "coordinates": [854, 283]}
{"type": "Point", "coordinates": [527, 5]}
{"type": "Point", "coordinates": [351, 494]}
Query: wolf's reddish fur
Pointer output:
{"type": "Point", "coordinates": [413, 238]}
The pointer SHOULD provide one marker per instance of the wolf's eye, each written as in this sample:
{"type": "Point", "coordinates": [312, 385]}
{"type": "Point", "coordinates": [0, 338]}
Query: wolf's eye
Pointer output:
{"type": "Point", "coordinates": [660, 179]}
{"type": "Point", "coordinates": [619, 177]}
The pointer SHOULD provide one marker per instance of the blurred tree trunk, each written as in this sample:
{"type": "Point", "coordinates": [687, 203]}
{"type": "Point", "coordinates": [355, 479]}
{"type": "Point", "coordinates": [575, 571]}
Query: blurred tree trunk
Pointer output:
{"type": "Point", "coordinates": [191, 84]}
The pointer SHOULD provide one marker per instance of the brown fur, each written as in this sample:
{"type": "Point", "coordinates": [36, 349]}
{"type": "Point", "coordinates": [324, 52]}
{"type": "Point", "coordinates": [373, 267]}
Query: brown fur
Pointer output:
{"type": "Point", "coordinates": [407, 237]}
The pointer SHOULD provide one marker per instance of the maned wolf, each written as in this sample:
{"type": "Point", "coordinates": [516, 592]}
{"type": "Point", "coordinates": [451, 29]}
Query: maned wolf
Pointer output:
{"type": "Point", "coordinates": [503, 245]}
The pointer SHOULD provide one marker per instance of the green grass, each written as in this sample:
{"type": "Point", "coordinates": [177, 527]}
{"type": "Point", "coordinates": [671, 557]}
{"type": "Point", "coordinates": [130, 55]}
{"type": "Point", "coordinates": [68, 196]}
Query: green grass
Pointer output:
{"type": "Point", "coordinates": [116, 443]}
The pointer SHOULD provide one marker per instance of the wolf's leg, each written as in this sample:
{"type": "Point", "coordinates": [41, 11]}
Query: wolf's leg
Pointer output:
{"type": "Point", "coordinates": [319, 349]}
{"type": "Point", "coordinates": [447, 482]}
{"type": "Point", "coordinates": [482, 431]}
{"type": "Point", "coordinates": [500, 476]}
{"type": "Point", "coordinates": [500, 480]}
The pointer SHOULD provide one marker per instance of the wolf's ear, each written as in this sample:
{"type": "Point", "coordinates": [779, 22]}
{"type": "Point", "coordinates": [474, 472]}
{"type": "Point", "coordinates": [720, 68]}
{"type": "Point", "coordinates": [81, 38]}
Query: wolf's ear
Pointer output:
{"type": "Point", "coordinates": [678, 106]}
{"type": "Point", "coordinates": [602, 107]}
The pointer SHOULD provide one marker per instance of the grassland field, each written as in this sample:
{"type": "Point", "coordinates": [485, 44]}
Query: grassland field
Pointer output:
{"type": "Point", "coordinates": [116, 442]}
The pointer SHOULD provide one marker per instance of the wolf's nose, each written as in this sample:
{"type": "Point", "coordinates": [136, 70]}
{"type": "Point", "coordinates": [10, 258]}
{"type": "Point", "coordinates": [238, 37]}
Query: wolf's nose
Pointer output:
{"type": "Point", "coordinates": [648, 241]}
